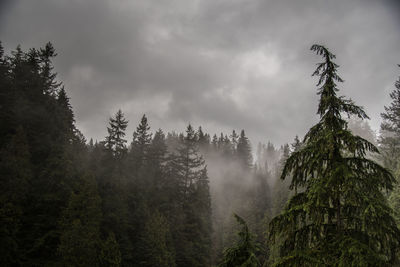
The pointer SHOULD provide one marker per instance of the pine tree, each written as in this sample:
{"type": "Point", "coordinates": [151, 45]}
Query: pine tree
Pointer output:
{"type": "Point", "coordinates": [394, 201]}
{"type": "Point", "coordinates": [115, 141]}
{"type": "Point", "coordinates": [244, 151]}
{"type": "Point", "coordinates": [140, 144]}
{"type": "Point", "coordinates": [7, 99]}
{"type": "Point", "coordinates": [80, 242]}
{"type": "Point", "coordinates": [110, 255]}
{"type": "Point", "coordinates": [186, 171]}
{"type": "Point", "coordinates": [214, 142]}
{"type": "Point", "coordinates": [157, 242]}
{"type": "Point", "coordinates": [15, 175]}
{"type": "Point", "coordinates": [234, 140]}
{"type": "Point", "coordinates": [203, 139]}
{"type": "Point", "coordinates": [66, 115]}
{"type": "Point", "coordinates": [155, 170]}
{"type": "Point", "coordinates": [48, 76]}
{"type": "Point", "coordinates": [340, 217]}
{"type": "Point", "coordinates": [243, 253]}
{"type": "Point", "coordinates": [113, 188]}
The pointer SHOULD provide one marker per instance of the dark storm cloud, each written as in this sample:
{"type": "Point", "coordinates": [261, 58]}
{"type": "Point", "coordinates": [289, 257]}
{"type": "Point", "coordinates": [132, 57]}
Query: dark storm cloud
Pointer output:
{"type": "Point", "coordinates": [225, 64]}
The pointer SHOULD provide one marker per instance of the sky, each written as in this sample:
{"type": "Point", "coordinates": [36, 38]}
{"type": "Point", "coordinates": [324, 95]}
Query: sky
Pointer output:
{"type": "Point", "coordinates": [221, 64]}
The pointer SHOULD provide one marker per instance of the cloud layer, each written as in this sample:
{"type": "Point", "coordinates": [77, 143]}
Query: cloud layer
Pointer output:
{"type": "Point", "coordinates": [222, 64]}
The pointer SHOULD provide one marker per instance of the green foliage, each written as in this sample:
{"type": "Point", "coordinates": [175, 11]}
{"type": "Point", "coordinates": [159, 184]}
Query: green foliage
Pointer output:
{"type": "Point", "coordinates": [157, 242]}
{"type": "Point", "coordinates": [340, 217]}
{"type": "Point", "coordinates": [15, 175]}
{"type": "Point", "coordinates": [191, 197]}
{"type": "Point", "coordinates": [394, 201]}
{"type": "Point", "coordinates": [110, 255]}
{"type": "Point", "coordinates": [80, 241]}
{"type": "Point", "coordinates": [243, 253]}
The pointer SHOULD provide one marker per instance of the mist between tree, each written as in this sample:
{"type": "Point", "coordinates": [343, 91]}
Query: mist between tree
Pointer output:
{"type": "Point", "coordinates": [150, 198]}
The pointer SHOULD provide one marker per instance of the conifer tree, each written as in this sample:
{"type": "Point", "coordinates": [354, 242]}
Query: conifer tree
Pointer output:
{"type": "Point", "coordinates": [112, 181]}
{"type": "Point", "coordinates": [244, 151]}
{"type": "Point", "coordinates": [203, 139]}
{"type": "Point", "coordinates": [243, 253]}
{"type": "Point", "coordinates": [7, 99]}
{"type": "Point", "coordinates": [15, 175]}
{"type": "Point", "coordinates": [214, 142]}
{"type": "Point", "coordinates": [66, 115]}
{"type": "Point", "coordinates": [47, 75]}
{"type": "Point", "coordinates": [141, 142]}
{"type": "Point", "coordinates": [115, 141]}
{"type": "Point", "coordinates": [390, 130]}
{"type": "Point", "coordinates": [340, 217]}
{"type": "Point", "coordinates": [157, 242]}
{"type": "Point", "coordinates": [394, 200]}
{"type": "Point", "coordinates": [110, 255]}
{"type": "Point", "coordinates": [156, 170]}
{"type": "Point", "coordinates": [191, 234]}
{"type": "Point", "coordinates": [234, 139]}
{"type": "Point", "coordinates": [80, 242]}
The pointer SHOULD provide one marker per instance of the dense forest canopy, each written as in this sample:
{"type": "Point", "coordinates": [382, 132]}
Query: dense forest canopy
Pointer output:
{"type": "Point", "coordinates": [155, 198]}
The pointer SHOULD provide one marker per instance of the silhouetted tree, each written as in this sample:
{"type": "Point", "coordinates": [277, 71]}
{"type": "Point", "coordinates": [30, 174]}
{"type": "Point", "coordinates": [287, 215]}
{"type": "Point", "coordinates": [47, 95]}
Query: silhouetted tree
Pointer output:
{"type": "Point", "coordinates": [341, 217]}
{"type": "Point", "coordinates": [243, 253]}
{"type": "Point", "coordinates": [244, 151]}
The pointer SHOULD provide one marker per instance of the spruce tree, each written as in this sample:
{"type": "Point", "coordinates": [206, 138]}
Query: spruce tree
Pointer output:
{"type": "Point", "coordinates": [80, 243]}
{"type": "Point", "coordinates": [155, 171]}
{"type": "Point", "coordinates": [112, 181]}
{"type": "Point", "coordinates": [243, 253]}
{"type": "Point", "coordinates": [244, 151]}
{"type": "Point", "coordinates": [203, 139]}
{"type": "Point", "coordinates": [140, 144]}
{"type": "Point", "coordinates": [186, 171]}
{"type": "Point", "coordinates": [115, 141]}
{"type": "Point", "coordinates": [234, 140]}
{"type": "Point", "coordinates": [214, 142]}
{"type": "Point", "coordinates": [339, 216]}
{"type": "Point", "coordinates": [48, 76]}
{"type": "Point", "coordinates": [15, 176]}
{"type": "Point", "coordinates": [156, 240]}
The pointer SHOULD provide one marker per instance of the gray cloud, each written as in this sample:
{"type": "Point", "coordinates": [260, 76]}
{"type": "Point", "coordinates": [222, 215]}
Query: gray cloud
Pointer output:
{"type": "Point", "coordinates": [223, 64]}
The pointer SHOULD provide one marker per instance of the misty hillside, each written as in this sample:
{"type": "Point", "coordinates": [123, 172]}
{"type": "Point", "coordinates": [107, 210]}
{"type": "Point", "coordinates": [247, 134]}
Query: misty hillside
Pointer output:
{"type": "Point", "coordinates": [191, 198]}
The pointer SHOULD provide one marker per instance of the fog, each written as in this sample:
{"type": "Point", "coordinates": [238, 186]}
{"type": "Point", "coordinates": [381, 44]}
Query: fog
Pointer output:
{"type": "Point", "coordinates": [81, 164]}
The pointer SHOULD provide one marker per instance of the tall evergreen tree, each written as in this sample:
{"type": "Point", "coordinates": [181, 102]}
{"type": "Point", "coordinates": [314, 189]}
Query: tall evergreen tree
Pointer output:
{"type": "Point", "coordinates": [15, 175]}
{"type": "Point", "coordinates": [50, 84]}
{"type": "Point", "coordinates": [80, 242]}
{"type": "Point", "coordinates": [214, 142]}
{"type": "Point", "coordinates": [244, 151]}
{"type": "Point", "coordinates": [341, 217]}
{"type": "Point", "coordinates": [203, 139]}
{"type": "Point", "coordinates": [190, 231]}
{"type": "Point", "coordinates": [155, 170]}
{"type": "Point", "coordinates": [112, 180]}
{"type": "Point", "coordinates": [390, 130]}
{"type": "Point", "coordinates": [141, 143]}
{"type": "Point", "coordinates": [234, 139]}
{"type": "Point", "coordinates": [157, 242]}
{"type": "Point", "coordinates": [115, 141]}
{"type": "Point", "coordinates": [243, 253]}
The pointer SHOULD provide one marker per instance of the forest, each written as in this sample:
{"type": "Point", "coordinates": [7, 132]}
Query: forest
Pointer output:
{"type": "Point", "coordinates": [192, 198]}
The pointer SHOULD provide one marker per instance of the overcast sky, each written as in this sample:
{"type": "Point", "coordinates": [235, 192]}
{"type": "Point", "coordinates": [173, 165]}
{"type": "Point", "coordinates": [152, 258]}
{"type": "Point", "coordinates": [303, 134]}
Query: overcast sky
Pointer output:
{"type": "Point", "coordinates": [222, 64]}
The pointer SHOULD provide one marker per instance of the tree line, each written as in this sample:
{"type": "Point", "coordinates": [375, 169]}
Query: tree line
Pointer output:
{"type": "Point", "coordinates": [167, 199]}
